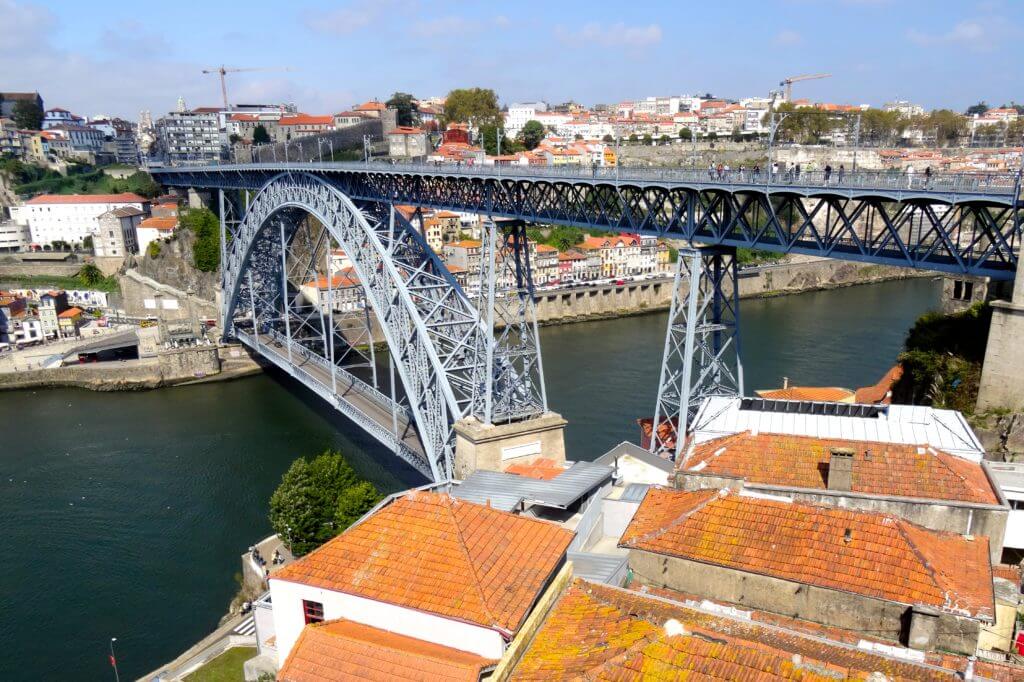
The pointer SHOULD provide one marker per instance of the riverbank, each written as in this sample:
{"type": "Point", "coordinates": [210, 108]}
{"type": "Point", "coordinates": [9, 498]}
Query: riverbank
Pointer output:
{"type": "Point", "coordinates": [176, 367]}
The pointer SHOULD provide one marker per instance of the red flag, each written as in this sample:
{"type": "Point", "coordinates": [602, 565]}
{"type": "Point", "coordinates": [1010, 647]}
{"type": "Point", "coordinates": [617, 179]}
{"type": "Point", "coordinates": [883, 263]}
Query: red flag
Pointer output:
{"type": "Point", "coordinates": [113, 661]}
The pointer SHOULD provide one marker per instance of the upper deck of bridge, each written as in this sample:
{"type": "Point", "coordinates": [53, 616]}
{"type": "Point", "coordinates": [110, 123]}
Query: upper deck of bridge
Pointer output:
{"type": "Point", "coordinates": [948, 188]}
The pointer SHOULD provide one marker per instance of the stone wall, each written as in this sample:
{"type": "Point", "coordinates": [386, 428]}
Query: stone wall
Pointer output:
{"type": "Point", "coordinates": [16, 269]}
{"type": "Point", "coordinates": [137, 290]}
{"type": "Point", "coordinates": [821, 273]}
{"type": "Point", "coordinates": [796, 600]}
{"type": "Point", "coordinates": [175, 267]}
{"type": "Point", "coordinates": [569, 305]}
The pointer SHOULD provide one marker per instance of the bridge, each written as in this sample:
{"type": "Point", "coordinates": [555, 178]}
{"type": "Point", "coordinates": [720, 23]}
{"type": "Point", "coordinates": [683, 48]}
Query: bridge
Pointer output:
{"type": "Point", "coordinates": [457, 357]}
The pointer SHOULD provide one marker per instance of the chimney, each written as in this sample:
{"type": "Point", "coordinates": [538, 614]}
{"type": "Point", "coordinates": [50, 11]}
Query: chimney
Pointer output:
{"type": "Point", "coordinates": [785, 382]}
{"type": "Point", "coordinates": [840, 469]}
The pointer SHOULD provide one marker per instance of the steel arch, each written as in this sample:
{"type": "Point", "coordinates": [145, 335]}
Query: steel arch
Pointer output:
{"type": "Point", "coordinates": [431, 328]}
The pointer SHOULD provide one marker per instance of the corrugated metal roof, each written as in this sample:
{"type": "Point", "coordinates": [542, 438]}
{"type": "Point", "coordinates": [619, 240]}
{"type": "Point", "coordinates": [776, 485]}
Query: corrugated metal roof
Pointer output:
{"type": "Point", "coordinates": [599, 568]}
{"type": "Point", "coordinates": [634, 492]}
{"type": "Point", "coordinates": [505, 491]}
{"type": "Point", "coordinates": [909, 424]}
{"type": "Point", "coordinates": [635, 451]}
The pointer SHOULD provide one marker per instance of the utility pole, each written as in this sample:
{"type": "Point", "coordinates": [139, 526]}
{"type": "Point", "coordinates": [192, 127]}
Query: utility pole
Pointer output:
{"type": "Point", "coordinates": [772, 130]}
{"type": "Point", "coordinates": [856, 142]}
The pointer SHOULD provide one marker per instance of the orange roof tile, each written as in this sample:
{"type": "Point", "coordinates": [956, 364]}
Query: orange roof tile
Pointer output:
{"type": "Point", "coordinates": [880, 392]}
{"type": "Point", "coordinates": [878, 468]}
{"type": "Point", "coordinates": [160, 223]}
{"type": "Point", "coordinates": [338, 281]}
{"type": "Point", "coordinates": [599, 632]}
{"type": "Point", "coordinates": [493, 565]}
{"type": "Point", "coordinates": [341, 650]}
{"type": "Point", "coordinates": [405, 130]}
{"type": "Point", "coordinates": [544, 248]}
{"type": "Point", "coordinates": [543, 468]}
{"type": "Point", "coordinates": [71, 312]}
{"type": "Point", "coordinates": [824, 394]}
{"type": "Point", "coordinates": [123, 198]}
{"type": "Point", "coordinates": [466, 244]}
{"type": "Point", "coordinates": [875, 555]}
{"type": "Point", "coordinates": [370, 106]}
{"type": "Point", "coordinates": [306, 120]}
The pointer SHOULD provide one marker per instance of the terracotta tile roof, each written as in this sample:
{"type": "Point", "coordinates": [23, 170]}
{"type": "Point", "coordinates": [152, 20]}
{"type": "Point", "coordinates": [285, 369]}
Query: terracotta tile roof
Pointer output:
{"type": "Point", "coordinates": [123, 198]}
{"type": "Point", "coordinates": [492, 565]}
{"type": "Point", "coordinates": [598, 632]}
{"type": "Point", "coordinates": [160, 223]}
{"type": "Point", "coordinates": [666, 431]}
{"type": "Point", "coordinates": [544, 248]}
{"type": "Point", "coordinates": [466, 244]}
{"type": "Point", "coordinates": [405, 130]}
{"type": "Point", "coordinates": [306, 120]}
{"type": "Point", "coordinates": [953, 662]}
{"type": "Point", "coordinates": [543, 468]}
{"type": "Point", "coordinates": [71, 312]}
{"type": "Point", "coordinates": [875, 555]}
{"type": "Point", "coordinates": [338, 281]}
{"type": "Point", "coordinates": [824, 394]}
{"type": "Point", "coordinates": [341, 650]}
{"type": "Point", "coordinates": [370, 106]}
{"type": "Point", "coordinates": [878, 468]}
{"type": "Point", "coordinates": [880, 392]}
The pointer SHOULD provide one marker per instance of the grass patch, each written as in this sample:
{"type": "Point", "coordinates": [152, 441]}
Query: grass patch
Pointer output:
{"type": "Point", "coordinates": [225, 668]}
{"type": "Point", "coordinates": [108, 284]}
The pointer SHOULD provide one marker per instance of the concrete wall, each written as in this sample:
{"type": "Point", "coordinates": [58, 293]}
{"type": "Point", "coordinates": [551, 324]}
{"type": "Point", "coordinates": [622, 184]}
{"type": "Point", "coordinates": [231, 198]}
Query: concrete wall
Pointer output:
{"type": "Point", "coordinates": [567, 305]}
{"type": "Point", "coordinates": [16, 269]}
{"type": "Point", "coordinates": [140, 294]}
{"type": "Point", "coordinates": [817, 274]}
{"type": "Point", "coordinates": [496, 446]}
{"type": "Point", "coordinates": [830, 607]}
{"type": "Point", "coordinates": [962, 518]}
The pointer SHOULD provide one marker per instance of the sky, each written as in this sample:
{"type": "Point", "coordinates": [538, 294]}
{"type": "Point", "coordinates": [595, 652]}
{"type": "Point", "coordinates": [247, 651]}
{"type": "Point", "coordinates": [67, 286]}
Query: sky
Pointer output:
{"type": "Point", "coordinates": [117, 58]}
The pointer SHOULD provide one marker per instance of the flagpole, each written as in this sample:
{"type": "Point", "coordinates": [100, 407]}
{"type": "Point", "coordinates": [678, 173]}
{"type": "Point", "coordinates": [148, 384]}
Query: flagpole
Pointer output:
{"type": "Point", "coordinates": [113, 661]}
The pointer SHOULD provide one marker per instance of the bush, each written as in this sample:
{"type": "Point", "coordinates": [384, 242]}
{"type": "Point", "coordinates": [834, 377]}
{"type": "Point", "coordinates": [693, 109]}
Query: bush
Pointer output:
{"type": "Point", "coordinates": [318, 498]}
{"type": "Point", "coordinates": [206, 249]}
{"type": "Point", "coordinates": [153, 250]}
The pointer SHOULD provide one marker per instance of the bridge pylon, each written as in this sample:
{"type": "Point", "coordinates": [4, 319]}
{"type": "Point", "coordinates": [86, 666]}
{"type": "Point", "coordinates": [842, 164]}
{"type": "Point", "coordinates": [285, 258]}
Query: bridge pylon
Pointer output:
{"type": "Point", "coordinates": [702, 344]}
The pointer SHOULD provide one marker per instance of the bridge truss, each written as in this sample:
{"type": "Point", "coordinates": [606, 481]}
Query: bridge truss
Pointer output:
{"type": "Point", "coordinates": [276, 249]}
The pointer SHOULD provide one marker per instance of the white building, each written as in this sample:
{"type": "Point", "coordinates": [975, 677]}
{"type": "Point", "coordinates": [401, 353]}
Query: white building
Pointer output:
{"type": "Point", "coordinates": [70, 217]}
{"type": "Point", "coordinates": [14, 236]}
{"type": "Point", "coordinates": [423, 580]}
{"type": "Point", "coordinates": [521, 112]}
{"type": "Point", "coordinates": [906, 109]}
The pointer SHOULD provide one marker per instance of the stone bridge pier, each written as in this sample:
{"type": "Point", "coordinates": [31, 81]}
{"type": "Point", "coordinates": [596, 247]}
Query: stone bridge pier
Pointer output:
{"type": "Point", "coordinates": [1002, 375]}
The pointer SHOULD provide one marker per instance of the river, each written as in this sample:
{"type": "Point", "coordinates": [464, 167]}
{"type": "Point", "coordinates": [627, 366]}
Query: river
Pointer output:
{"type": "Point", "coordinates": [124, 514]}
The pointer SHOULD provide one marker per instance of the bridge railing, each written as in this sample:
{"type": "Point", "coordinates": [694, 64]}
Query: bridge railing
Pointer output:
{"type": "Point", "coordinates": [918, 181]}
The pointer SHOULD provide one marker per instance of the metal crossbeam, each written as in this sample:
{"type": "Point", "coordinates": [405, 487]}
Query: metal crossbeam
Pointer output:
{"type": "Point", "coordinates": [702, 344]}
{"type": "Point", "coordinates": [957, 223]}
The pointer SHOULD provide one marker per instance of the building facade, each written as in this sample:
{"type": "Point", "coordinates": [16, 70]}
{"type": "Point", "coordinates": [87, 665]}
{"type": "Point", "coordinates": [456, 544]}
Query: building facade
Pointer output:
{"type": "Point", "coordinates": [190, 137]}
{"type": "Point", "coordinates": [116, 232]}
{"type": "Point", "coordinates": [70, 218]}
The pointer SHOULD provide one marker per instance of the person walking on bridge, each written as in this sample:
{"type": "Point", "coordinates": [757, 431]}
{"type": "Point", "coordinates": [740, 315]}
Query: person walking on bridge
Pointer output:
{"type": "Point", "coordinates": [842, 172]}
{"type": "Point", "coordinates": [828, 173]}
{"type": "Point", "coordinates": [910, 177]}
{"type": "Point", "coordinates": [711, 171]}
{"type": "Point", "coordinates": [927, 177]}
{"type": "Point", "coordinates": [757, 171]}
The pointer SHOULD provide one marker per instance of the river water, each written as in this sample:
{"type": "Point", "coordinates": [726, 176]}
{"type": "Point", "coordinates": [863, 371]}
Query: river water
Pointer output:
{"type": "Point", "coordinates": [124, 514]}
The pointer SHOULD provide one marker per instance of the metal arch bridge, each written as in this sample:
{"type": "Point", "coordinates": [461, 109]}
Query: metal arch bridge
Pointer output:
{"type": "Point", "coordinates": [964, 223]}
{"type": "Point", "coordinates": [456, 357]}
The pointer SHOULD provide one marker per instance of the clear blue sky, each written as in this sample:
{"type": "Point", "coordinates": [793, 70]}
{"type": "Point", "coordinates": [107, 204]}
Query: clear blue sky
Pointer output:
{"type": "Point", "coordinates": [119, 57]}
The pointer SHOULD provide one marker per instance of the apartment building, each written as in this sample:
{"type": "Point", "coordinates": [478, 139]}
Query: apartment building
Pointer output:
{"type": "Point", "coordinates": [190, 137]}
{"type": "Point", "coordinates": [70, 218]}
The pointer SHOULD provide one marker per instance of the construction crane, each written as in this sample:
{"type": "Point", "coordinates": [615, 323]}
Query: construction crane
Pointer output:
{"type": "Point", "coordinates": [788, 82]}
{"type": "Point", "coordinates": [224, 71]}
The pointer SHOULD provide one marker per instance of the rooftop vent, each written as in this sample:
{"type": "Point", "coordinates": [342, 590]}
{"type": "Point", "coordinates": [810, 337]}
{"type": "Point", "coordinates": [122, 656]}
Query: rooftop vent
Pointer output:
{"type": "Point", "coordinates": [840, 469]}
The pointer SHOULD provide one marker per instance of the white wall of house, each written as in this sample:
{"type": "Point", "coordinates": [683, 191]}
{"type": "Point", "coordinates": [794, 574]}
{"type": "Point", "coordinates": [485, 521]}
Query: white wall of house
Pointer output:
{"type": "Point", "coordinates": [289, 619]}
{"type": "Point", "coordinates": [64, 221]}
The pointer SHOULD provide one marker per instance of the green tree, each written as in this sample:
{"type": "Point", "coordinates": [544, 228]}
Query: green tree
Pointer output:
{"type": "Point", "coordinates": [712, 137]}
{"type": "Point", "coordinates": [489, 139]}
{"type": "Point", "coordinates": [141, 183]}
{"type": "Point", "coordinates": [979, 108]}
{"type": "Point", "coordinates": [317, 499]}
{"type": "Point", "coordinates": [664, 139]}
{"type": "Point", "coordinates": [686, 134]}
{"type": "Point", "coordinates": [563, 237]}
{"type": "Point", "coordinates": [90, 275]}
{"type": "Point", "coordinates": [647, 139]}
{"type": "Point", "coordinates": [27, 114]}
{"type": "Point", "coordinates": [405, 106]}
{"type": "Point", "coordinates": [633, 139]}
{"type": "Point", "coordinates": [260, 135]}
{"type": "Point", "coordinates": [87, 242]}
{"type": "Point", "coordinates": [949, 126]}
{"type": "Point", "coordinates": [531, 134]}
{"type": "Point", "coordinates": [206, 228]}
{"type": "Point", "coordinates": [608, 139]}
{"type": "Point", "coordinates": [478, 106]}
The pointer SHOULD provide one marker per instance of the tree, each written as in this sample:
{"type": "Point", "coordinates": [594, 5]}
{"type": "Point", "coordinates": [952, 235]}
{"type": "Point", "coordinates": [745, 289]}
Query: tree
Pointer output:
{"type": "Point", "coordinates": [317, 499]}
{"type": "Point", "coordinates": [234, 138]}
{"type": "Point", "coordinates": [87, 242]}
{"type": "Point", "coordinates": [260, 135]}
{"type": "Point", "coordinates": [531, 134]}
{"type": "Point", "coordinates": [489, 141]}
{"type": "Point", "coordinates": [405, 106]}
{"type": "Point", "coordinates": [647, 139]}
{"type": "Point", "coordinates": [90, 275]}
{"type": "Point", "coordinates": [206, 228]}
{"type": "Point", "coordinates": [664, 139]}
{"type": "Point", "coordinates": [563, 237]}
{"type": "Point", "coordinates": [979, 108]}
{"type": "Point", "coordinates": [478, 106]}
{"type": "Point", "coordinates": [633, 139]}
{"type": "Point", "coordinates": [712, 137]}
{"type": "Point", "coordinates": [141, 183]}
{"type": "Point", "coordinates": [949, 126]}
{"type": "Point", "coordinates": [28, 115]}
{"type": "Point", "coordinates": [608, 139]}
{"type": "Point", "coordinates": [686, 134]}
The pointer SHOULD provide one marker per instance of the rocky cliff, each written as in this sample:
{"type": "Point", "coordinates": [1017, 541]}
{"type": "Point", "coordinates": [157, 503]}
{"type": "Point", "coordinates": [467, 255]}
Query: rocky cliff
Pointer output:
{"type": "Point", "coordinates": [174, 266]}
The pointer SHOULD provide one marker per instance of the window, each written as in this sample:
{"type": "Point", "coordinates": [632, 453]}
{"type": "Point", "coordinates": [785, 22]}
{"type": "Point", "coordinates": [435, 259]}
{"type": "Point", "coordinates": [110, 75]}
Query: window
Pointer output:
{"type": "Point", "coordinates": [963, 290]}
{"type": "Point", "coordinates": [313, 611]}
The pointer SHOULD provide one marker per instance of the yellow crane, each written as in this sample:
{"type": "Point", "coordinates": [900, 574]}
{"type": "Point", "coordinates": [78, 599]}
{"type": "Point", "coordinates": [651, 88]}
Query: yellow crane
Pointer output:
{"type": "Point", "coordinates": [788, 82]}
{"type": "Point", "coordinates": [224, 71]}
